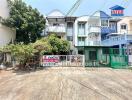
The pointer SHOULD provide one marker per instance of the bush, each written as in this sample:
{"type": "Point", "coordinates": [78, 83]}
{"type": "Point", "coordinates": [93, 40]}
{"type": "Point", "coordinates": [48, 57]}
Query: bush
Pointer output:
{"type": "Point", "coordinates": [20, 52]}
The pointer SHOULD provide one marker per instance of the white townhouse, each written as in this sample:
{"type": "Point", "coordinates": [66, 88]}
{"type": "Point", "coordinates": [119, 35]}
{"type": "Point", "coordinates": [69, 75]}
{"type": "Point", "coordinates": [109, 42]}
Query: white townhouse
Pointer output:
{"type": "Point", "coordinates": [7, 34]}
{"type": "Point", "coordinates": [62, 26]}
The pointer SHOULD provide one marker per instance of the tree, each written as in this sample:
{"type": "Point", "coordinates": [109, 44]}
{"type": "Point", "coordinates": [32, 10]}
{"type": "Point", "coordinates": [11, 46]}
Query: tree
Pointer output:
{"type": "Point", "coordinates": [58, 45]}
{"type": "Point", "coordinates": [28, 22]}
{"type": "Point", "coordinates": [42, 46]}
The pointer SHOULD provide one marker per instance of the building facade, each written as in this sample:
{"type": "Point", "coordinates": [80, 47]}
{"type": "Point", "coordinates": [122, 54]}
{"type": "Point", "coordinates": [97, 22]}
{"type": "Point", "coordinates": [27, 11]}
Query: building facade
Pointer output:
{"type": "Point", "coordinates": [7, 34]}
{"type": "Point", "coordinates": [97, 30]}
{"type": "Point", "coordinates": [62, 26]}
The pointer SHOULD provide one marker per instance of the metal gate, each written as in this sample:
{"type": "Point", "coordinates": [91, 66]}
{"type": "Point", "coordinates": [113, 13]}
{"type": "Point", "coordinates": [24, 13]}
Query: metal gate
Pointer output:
{"type": "Point", "coordinates": [62, 61]}
{"type": "Point", "coordinates": [106, 57]}
{"type": "Point", "coordinates": [119, 61]}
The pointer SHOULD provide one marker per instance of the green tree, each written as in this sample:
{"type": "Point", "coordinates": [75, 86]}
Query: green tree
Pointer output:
{"type": "Point", "coordinates": [28, 22]}
{"type": "Point", "coordinates": [42, 46]}
{"type": "Point", "coordinates": [59, 46]}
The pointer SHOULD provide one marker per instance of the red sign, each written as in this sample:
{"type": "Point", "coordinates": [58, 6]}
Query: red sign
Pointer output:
{"type": "Point", "coordinates": [49, 60]}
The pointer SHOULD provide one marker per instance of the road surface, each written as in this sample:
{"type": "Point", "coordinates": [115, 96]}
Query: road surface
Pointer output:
{"type": "Point", "coordinates": [67, 84]}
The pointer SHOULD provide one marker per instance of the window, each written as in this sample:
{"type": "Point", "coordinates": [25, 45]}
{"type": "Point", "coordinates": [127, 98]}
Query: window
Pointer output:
{"type": "Point", "coordinates": [55, 24]}
{"type": "Point", "coordinates": [70, 38]}
{"type": "Point", "coordinates": [81, 28]}
{"type": "Point", "coordinates": [70, 25]}
{"type": "Point", "coordinates": [124, 27]}
{"type": "Point", "coordinates": [81, 52]}
{"type": "Point", "coordinates": [69, 29]}
{"type": "Point", "coordinates": [81, 39]}
{"type": "Point", "coordinates": [106, 51]}
{"type": "Point", "coordinates": [104, 22]}
{"type": "Point", "coordinates": [92, 55]}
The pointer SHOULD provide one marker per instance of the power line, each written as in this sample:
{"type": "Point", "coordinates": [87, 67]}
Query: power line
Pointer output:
{"type": "Point", "coordinates": [74, 7]}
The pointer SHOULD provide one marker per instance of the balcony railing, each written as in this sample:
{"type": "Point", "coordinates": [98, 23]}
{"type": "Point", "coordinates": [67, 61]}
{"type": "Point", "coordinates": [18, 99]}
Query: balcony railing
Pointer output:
{"type": "Point", "coordinates": [58, 29]}
{"type": "Point", "coordinates": [94, 29]}
{"type": "Point", "coordinates": [117, 40]}
{"type": "Point", "coordinates": [90, 43]}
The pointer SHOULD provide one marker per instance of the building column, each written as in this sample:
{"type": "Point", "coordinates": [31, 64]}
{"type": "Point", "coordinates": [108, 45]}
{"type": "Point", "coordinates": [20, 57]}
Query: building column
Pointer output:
{"type": "Point", "coordinates": [120, 49]}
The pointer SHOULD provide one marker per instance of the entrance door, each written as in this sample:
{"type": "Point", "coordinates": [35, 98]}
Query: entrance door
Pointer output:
{"type": "Point", "coordinates": [93, 55]}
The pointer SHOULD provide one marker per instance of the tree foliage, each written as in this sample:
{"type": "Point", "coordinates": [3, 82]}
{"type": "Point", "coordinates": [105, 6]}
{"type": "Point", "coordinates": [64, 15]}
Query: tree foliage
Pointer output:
{"type": "Point", "coordinates": [58, 45]}
{"type": "Point", "coordinates": [20, 52]}
{"type": "Point", "coordinates": [47, 45]}
{"type": "Point", "coordinates": [27, 21]}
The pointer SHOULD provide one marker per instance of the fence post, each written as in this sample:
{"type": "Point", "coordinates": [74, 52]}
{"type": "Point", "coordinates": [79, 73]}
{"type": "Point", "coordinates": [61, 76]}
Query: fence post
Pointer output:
{"type": "Point", "coordinates": [66, 61]}
{"type": "Point", "coordinates": [83, 60]}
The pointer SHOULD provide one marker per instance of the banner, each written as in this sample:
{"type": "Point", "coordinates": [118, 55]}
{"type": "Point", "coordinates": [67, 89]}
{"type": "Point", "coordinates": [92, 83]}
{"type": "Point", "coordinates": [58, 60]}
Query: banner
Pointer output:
{"type": "Point", "coordinates": [50, 60]}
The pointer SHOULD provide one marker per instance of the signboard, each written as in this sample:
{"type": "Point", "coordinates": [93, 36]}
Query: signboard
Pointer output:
{"type": "Point", "coordinates": [117, 10]}
{"type": "Point", "coordinates": [50, 60]}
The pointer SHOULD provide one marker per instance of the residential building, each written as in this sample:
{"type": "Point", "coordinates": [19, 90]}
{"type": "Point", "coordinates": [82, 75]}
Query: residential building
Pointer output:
{"type": "Point", "coordinates": [7, 34]}
{"type": "Point", "coordinates": [62, 26]}
{"type": "Point", "coordinates": [123, 36]}
{"type": "Point", "coordinates": [93, 36]}
{"type": "Point", "coordinates": [91, 30]}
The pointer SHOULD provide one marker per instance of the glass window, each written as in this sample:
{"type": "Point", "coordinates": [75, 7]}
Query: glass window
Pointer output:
{"type": "Point", "coordinates": [124, 27]}
{"type": "Point", "coordinates": [69, 29]}
{"type": "Point", "coordinates": [106, 51]}
{"type": "Point", "coordinates": [70, 38]}
{"type": "Point", "coordinates": [81, 39]}
{"type": "Point", "coordinates": [92, 55]}
{"type": "Point", "coordinates": [104, 23]}
{"type": "Point", "coordinates": [70, 25]}
{"type": "Point", "coordinates": [81, 28]}
{"type": "Point", "coordinates": [55, 24]}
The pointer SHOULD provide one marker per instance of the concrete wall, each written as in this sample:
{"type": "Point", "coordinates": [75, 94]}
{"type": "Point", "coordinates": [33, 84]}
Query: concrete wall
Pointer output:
{"type": "Point", "coordinates": [6, 34]}
{"type": "Point", "coordinates": [4, 10]}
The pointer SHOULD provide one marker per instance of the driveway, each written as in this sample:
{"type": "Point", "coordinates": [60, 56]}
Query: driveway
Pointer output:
{"type": "Point", "coordinates": [67, 84]}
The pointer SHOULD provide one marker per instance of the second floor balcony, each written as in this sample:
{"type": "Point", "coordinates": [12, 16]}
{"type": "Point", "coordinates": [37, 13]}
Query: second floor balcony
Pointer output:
{"type": "Point", "coordinates": [89, 43]}
{"type": "Point", "coordinates": [102, 30]}
{"type": "Point", "coordinates": [94, 29]}
{"type": "Point", "coordinates": [117, 40]}
{"type": "Point", "coordinates": [56, 29]}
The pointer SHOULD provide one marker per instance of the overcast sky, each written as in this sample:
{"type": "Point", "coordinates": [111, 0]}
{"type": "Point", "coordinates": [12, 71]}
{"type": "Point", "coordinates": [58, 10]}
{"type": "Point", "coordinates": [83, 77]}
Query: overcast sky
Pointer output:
{"type": "Point", "coordinates": [87, 7]}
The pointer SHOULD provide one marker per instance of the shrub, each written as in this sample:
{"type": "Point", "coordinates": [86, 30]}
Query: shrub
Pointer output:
{"type": "Point", "coordinates": [20, 52]}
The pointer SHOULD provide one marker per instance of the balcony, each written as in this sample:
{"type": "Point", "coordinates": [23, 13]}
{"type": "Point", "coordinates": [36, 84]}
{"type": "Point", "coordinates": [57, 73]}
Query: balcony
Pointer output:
{"type": "Point", "coordinates": [95, 29]}
{"type": "Point", "coordinates": [117, 40]}
{"type": "Point", "coordinates": [90, 43]}
{"type": "Point", "coordinates": [57, 29]}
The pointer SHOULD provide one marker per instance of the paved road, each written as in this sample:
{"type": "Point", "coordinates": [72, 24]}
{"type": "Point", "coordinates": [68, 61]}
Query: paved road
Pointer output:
{"type": "Point", "coordinates": [67, 84]}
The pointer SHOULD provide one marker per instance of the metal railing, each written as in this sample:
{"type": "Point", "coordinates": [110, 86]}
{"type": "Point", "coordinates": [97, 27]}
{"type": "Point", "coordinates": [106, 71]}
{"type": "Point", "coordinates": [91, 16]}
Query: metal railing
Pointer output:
{"type": "Point", "coordinates": [95, 29]}
{"type": "Point", "coordinates": [116, 40]}
{"type": "Point", "coordinates": [90, 43]}
{"type": "Point", "coordinates": [57, 29]}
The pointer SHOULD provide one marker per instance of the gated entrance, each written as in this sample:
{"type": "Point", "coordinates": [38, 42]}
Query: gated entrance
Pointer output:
{"type": "Point", "coordinates": [63, 61]}
{"type": "Point", "coordinates": [118, 58]}
{"type": "Point", "coordinates": [105, 57]}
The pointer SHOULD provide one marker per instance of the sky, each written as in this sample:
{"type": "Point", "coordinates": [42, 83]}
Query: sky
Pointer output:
{"type": "Point", "coordinates": [87, 7]}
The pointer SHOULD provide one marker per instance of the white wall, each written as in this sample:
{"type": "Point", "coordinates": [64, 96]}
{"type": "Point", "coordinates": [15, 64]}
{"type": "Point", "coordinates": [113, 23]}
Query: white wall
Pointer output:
{"type": "Point", "coordinates": [4, 10]}
{"type": "Point", "coordinates": [88, 37]}
{"type": "Point", "coordinates": [125, 20]}
{"type": "Point", "coordinates": [80, 19]}
{"type": "Point", "coordinates": [6, 34]}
